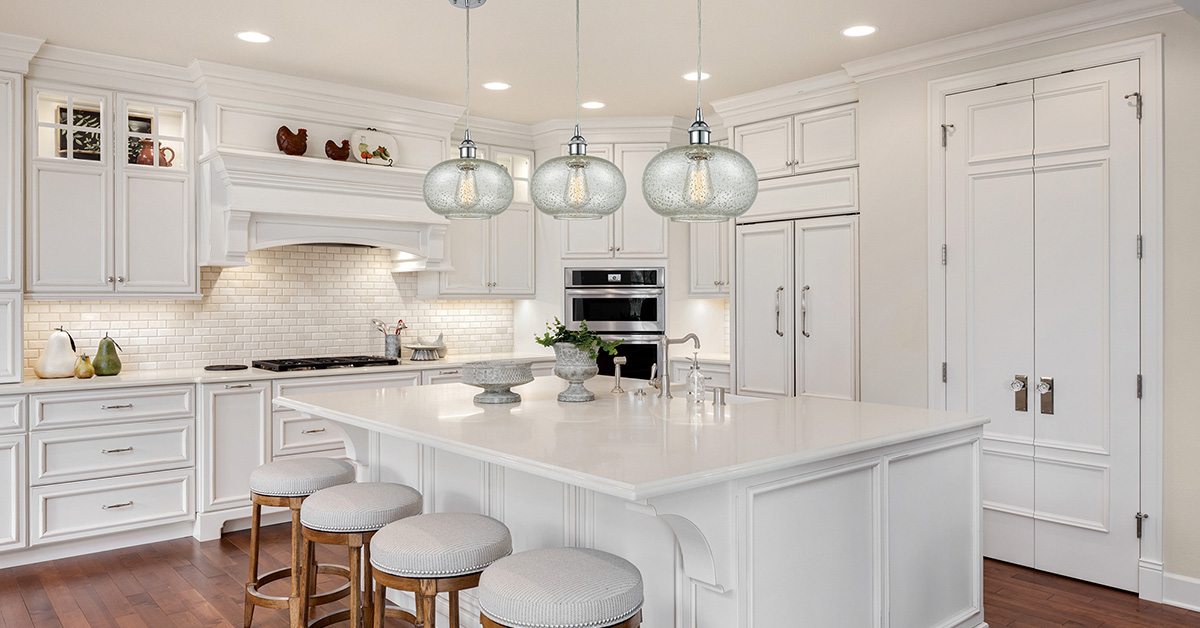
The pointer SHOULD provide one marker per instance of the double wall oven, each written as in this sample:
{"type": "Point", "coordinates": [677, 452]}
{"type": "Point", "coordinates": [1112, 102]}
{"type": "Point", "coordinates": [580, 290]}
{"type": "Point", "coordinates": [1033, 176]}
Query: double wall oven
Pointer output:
{"type": "Point", "coordinates": [627, 304]}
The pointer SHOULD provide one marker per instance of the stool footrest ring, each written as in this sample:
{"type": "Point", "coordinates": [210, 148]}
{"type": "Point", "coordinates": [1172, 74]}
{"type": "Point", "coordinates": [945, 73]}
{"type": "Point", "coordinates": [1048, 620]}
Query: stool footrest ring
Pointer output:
{"type": "Point", "coordinates": [258, 598]}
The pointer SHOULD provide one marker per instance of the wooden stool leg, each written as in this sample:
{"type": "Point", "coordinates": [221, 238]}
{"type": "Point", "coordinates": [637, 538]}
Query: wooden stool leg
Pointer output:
{"type": "Point", "coordinates": [252, 579]}
{"type": "Point", "coordinates": [295, 614]}
{"type": "Point", "coordinates": [368, 586]}
{"type": "Point", "coordinates": [381, 598]}
{"type": "Point", "coordinates": [356, 609]}
{"type": "Point", "coordinates": [429, 609]}
{"type": "Point", "coordinates": [454, 609]}
{"type": "Point", "coordinates": [308, 580]}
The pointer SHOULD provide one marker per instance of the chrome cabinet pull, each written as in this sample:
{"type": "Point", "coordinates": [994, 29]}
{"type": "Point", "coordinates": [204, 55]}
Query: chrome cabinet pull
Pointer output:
{"type": "Point", "coordinates": [123, 406]}
{"type": "Point", "coordinates": [116, 451]}
{"type": "Point", "coordinates": [1045, 388]}
{"type": "Point", "coordinates": [114, 506]}
{"type": "Point", "coordinates": [778, 310]}
{"type": "Point", "coordinates": [1020, 388]}
{"type": "Point", "coordinates": [316, 431]}
{"type": "Point", "coordinates": [233, 386]}
{"type": "Point", "coordinates": [804, 311]}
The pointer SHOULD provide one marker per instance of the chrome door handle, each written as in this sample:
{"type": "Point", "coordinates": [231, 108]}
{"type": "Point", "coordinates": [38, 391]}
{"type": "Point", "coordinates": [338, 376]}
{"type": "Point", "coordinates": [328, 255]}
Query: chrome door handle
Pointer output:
{"type": "Point", "coordinates": [112, 506]}
{"type": "Point", "coordinates": [804, 311]}
{"type": "Point", "coordinates": [116, 451]}
{"type": "Point", "coordinates": [1045, 388]}
{"type": "Point", "coordinates": [778, 310]}
{"type": "Point", "coordinates": [1020, 388]}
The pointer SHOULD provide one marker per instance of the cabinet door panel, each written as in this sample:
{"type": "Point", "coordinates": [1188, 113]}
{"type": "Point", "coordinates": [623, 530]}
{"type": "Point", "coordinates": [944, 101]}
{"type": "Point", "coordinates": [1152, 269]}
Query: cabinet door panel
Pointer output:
{"type": "Point", "coordinates": [768, 145]}
{"type": "Point", "coordinates": [826, 138]}
{"type": "Point", "coordinates": [709, 253]}
{"type": "Point", "coordinates": [10, 182]}
{"type": "Point", "coordinates": [10, 337]}
{"type": "Point", "coordinates": [512, 251]}
{"type": "Point", "coordinates": [155, 242]}
{"type": "Point", "coordinates": [235, 438]}
{"type": "Point", "coordinates": [639, 231]}
{"type": "Point", "coordinates": [467, 241]}
{"type": "Point", "coordinates": [765, 276]}
{"type": "Point", "coordinates": [12, 492]}
{"type": "Point", "coordinates": [70, 231]}
{"type": "Point", "coordinates": [826, 256]}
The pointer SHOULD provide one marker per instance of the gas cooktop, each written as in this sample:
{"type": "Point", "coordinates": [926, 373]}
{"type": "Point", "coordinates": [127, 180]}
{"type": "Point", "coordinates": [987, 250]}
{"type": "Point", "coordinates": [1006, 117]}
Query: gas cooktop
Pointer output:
{"type": "Point", "coordinates": [308, 364]}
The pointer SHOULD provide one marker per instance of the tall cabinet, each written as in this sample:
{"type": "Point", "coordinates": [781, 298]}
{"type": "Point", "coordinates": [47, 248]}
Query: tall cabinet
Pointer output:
{"type": "Point", "coordinates": [796, 295]}
{"type": "Point", "coordinates": [10, 226]}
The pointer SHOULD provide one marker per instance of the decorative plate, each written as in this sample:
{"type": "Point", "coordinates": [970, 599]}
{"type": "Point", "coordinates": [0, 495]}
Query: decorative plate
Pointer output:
{"type": "Point", "coordinates": [369, 146]}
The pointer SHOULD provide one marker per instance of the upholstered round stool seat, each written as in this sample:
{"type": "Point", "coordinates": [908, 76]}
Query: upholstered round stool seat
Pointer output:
{"type": "Point", "coordinates": [440, 545]}
{"type": "Point", "coordinates": [299, 477]}
{"type": "Point", "coordinates": [563, 587]}
{"type": "Point", "coordinates": [361, 507]}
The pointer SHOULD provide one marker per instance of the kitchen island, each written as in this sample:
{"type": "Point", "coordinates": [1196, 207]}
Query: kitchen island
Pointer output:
{"type": "Point", "coordinates": [790, 512]}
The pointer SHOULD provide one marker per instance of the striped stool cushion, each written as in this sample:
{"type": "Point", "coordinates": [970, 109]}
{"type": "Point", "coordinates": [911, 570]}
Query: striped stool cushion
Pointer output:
{"type": "Point", "coordinates": [563, 587]}
{"type": "Point", "coordinates": [299, 477]}
{"type": "Point", "coordinates": [361, 507]}
{"type": "Point", "coordinates": [439, 545]}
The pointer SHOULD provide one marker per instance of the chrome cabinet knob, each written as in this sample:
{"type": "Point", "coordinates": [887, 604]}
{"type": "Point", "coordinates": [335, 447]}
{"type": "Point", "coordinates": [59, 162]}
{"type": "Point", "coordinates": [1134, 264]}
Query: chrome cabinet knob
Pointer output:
{"type": "Point", "coordinates": [110, 279]}
{"type": "Point", "coordinates": [120, 279]}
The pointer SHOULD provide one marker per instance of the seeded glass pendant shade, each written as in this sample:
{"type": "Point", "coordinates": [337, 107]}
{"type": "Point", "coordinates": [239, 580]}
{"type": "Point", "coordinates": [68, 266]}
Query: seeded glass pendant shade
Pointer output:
{"type": "Point", "coordinates": [577, 186]}
{"type": "Point", "coordinates": [699, 182]}
{"type": "Point", "coordinates": [468, 188]}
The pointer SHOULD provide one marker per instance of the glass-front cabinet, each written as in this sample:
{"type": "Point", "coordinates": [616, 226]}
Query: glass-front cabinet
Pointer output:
{"type": "Point", "coordinates": [111, 209]}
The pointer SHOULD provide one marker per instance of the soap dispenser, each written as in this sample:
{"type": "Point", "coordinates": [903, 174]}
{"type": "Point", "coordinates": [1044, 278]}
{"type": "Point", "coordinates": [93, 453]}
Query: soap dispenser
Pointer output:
{"type": "Point", "coordinates": [695, 381]}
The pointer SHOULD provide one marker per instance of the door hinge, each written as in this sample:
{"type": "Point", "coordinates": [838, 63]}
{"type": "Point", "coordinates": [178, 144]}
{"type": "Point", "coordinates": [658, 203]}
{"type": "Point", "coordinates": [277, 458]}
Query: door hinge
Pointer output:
{"type": "Point", "coordinates": [1139, 386]}
{"type": "Point", "coordinates": [1137, 102]}
{"type": "Point", "coordinates": [943, 255]}
{"type": "Point", "coordinates": [1139, 250]}
{"type": "Point", "coordinates": [946, 133]}
{"type": "Point", "coordinates": [1140, 518]}
{"type": "Point", "coordinates": [943, 372]}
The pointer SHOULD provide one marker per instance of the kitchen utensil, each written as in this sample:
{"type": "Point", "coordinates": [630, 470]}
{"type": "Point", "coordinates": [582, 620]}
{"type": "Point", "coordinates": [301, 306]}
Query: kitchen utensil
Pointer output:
{"type": "Point", "coordinates": [381, 326]}
{"type": "Point", "coordinates": [58, 359]}
{"type": "Point", "coordinates": [226, 367]}
{"type": "Point", "coordinates": [496, 378]}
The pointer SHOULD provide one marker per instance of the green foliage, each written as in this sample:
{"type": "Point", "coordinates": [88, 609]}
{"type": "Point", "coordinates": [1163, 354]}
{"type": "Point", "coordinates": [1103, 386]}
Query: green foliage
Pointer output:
{"type": "Point", "coordinates": [583, 339]}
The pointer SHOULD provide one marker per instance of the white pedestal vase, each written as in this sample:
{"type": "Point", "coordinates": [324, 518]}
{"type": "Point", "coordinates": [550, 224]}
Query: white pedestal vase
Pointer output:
{"type": "Point", "coordinates": [575, 366]}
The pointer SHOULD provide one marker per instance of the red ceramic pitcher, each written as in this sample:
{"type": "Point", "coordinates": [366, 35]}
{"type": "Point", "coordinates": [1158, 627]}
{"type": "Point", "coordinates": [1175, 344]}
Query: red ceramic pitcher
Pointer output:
{"type": "Point", "coordinates": [146, 157]}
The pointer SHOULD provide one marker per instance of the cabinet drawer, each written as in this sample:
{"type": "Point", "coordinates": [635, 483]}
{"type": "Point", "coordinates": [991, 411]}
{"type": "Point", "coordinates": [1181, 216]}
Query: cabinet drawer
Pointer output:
{"type": "Point", "coordinates": [95, 452]}
{"type": "Point", "coordinates": [82, 509]}
{"type": "Point", "coordinates": [12, 414]}
{"type": "Point", "coordinates": [338, 383]}
{"type": "Point", "coordinates": [111, 406]}
{"type": "Point", "coordinates": [295, 434]}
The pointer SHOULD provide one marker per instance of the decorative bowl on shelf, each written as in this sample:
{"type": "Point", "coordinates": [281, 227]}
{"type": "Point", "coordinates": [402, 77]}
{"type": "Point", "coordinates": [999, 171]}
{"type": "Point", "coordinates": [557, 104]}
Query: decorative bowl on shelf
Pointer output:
{"type": "Point", "coordinates": [496, 378]}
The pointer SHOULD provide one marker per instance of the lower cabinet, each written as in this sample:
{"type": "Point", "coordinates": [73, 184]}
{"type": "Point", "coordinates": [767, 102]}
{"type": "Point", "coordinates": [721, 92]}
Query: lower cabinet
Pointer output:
{"type": "Point", "coordinates": [73, 510]}
{"type": "Point", "coordinates": [235, 438]}
{"type": "Point", "coordinates": [441, 376]}
{"type": "Point", "coordinates": [12, 492]}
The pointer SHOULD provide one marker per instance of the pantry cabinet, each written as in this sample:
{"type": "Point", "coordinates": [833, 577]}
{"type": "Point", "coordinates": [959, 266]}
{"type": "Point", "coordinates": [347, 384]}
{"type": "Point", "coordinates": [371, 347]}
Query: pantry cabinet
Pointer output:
{"type": "Point", "coordinates": [807, 142]}
{"type": "Point", "coordinates": [494, 257]}
{"type": "Point", "coordinates": [635, 230]}
{"type": "Point", "coordinates": [111, 209]}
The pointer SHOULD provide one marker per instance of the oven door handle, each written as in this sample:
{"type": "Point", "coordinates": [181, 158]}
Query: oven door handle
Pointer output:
{"type": "Point", "coordinates": [614, 292]}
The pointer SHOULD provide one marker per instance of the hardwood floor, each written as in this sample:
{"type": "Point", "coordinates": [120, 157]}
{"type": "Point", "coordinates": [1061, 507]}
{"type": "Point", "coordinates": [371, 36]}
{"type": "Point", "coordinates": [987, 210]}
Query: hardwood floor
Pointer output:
{"type": "Point", "coordinates": [186, 584]}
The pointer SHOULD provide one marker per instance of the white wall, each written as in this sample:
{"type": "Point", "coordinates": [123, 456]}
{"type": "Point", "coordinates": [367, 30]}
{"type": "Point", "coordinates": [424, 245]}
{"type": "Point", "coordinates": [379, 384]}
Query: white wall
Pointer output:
{"type": "Point", "coordinates": [893, 118]}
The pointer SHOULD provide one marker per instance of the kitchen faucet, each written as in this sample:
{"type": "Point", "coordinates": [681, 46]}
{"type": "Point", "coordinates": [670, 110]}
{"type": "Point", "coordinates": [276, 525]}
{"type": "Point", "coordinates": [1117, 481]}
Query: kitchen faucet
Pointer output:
{"type": "Point", "coordinates": [663, 381]}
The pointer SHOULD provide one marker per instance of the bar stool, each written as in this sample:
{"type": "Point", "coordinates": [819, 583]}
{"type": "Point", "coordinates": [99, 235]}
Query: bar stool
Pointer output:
{"type": "Point", "coordinates": [564, 587]}
{"type": "Point", "coordinates": [286, 483]}
{"type": "Point", "coordinates": [437, 553]}
{"type": "Point", "coordinates": [350, 515]}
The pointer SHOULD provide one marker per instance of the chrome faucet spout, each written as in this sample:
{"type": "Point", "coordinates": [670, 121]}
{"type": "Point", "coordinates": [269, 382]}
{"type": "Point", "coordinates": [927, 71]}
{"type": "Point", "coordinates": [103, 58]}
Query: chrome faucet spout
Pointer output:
{"type": "Point", "coordinates": [664, 370]}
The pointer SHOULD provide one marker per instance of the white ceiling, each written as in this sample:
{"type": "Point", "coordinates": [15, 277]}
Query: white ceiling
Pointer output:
{"type": "Point", "coordinates": [634, 51]}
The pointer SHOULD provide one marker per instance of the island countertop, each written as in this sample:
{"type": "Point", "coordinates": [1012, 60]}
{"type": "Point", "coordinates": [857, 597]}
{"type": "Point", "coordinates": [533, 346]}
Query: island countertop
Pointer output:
{"type": "Point", "coordinates": [627, 446]}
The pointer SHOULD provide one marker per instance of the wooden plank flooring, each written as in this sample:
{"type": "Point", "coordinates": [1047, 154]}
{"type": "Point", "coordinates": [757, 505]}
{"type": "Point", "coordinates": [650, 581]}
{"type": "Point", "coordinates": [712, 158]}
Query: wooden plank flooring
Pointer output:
{"type": "Point", "coordinates": [187, 584]}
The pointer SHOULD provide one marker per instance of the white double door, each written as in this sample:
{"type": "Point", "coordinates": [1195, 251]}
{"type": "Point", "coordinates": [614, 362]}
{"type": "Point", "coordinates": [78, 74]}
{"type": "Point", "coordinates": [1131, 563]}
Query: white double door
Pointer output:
{"type": "Point", "coordinates": [796, 300]}
{"type": "Point", "coordinates": [1043, 327]}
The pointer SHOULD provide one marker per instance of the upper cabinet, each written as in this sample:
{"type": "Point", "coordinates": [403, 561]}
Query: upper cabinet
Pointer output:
{"type": "Point", "coordinates": [816, 140]}
{"type": "Point", "coordinates": [111, 210]}
{"type": "Point", "coordinates": [493, 257]}
{"type": "Point", "coordinates": [10, 182]}
{"type": "Point", "coordinates": [634, 231]}
{"type": "Point", "coordinates": [709, 260]}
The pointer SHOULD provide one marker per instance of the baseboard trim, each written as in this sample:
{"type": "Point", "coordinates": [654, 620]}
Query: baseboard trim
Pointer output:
{"type": "Point", "coordinates": [104, 543]}
{"type": "Point", "coordinates": [1150, 581]}
{"type": "Point", "coordinates": [1181, 591]}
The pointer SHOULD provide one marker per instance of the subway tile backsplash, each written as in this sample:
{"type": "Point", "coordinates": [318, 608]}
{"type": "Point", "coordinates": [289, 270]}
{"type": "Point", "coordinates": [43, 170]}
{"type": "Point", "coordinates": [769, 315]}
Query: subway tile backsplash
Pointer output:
{"type": "Point", "coordinates": [295, 301]}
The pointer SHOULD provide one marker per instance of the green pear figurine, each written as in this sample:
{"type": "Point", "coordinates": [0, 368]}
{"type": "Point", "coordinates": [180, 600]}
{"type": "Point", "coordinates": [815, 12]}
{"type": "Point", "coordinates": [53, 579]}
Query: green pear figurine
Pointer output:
{"type": "Point", "coordinates": [106, 361]}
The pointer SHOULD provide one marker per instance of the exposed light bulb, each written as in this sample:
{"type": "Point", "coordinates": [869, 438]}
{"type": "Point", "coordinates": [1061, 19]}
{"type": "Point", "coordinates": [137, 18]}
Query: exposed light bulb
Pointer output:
{"type": "Point", "coordinates": [468, 192]}
{"type": "Point", "coordinates": [699, 190]}
{"type": "Point", "coordinates": [577, 193]}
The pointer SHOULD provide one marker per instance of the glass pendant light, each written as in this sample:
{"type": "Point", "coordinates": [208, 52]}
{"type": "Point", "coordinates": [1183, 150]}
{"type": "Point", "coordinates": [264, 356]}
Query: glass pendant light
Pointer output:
{"type": "Point", "coordinates": [467, 187]}
{"type": "Point", "coordinates": [699, 182]}
{"type": "Point", "coordinates": [578, 186]}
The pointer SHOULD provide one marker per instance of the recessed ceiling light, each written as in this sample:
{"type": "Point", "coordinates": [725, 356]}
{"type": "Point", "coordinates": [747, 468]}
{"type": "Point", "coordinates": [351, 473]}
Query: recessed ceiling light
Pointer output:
{"type": "Point", "coordinates": [253, 37]}
{"type": "Point", "coordinates": [592, 104]}
{"type": "Point", "coordinates": [496, 85]}
{"type": "Point", "coordinates": [859, 31]}
{"type": "Point", "coordinates": [691, 76]}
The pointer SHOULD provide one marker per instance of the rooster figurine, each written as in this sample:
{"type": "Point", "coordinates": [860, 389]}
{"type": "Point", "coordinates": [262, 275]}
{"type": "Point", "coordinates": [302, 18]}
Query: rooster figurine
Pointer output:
{"type": "Point", "coordinates": [292, 143]}
{"type": "Point", "coordinates": [336, 153]}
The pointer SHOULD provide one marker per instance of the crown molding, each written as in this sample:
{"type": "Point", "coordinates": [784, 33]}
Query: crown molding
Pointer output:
{"type": "Point", "coordinates": [16, 52]}
{"type": "Point", "coordinates": [97, 69]}
{"type": "Point", "coordinates": [496, 132]}
{"type": "Point", "coordinates": [835, 88]}
{"type": "Point", "coordinates": [669, 129]}
{"type": "Point", "coordinates": [1016, 34]}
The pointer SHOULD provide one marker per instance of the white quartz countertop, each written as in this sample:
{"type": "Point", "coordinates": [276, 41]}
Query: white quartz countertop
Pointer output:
{"type": "Point", "coordinates": [627, 446]}
{"type": "Point", "coordinates": [156, 377]}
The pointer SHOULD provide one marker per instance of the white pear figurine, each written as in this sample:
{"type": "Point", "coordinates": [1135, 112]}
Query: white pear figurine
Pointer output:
{"type": "Point", "coordinates": [58, 359]}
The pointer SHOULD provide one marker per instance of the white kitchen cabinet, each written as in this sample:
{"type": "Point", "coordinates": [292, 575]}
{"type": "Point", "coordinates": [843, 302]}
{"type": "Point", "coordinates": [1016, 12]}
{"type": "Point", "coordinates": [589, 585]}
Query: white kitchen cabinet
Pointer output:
{"type": "Point", "coordinates": [491, 257]}
{"type": "Point", "coordinates": [811, 141]}
{"type": "Point", "coordinates": [441, 376]}
{"type": "Point", "coordinates": [796, 307]}
{"type": "Point", "coordinates": [111, 211]}
{"type": "Point", "coordinates": [10, 337]}
{"type": "Point", "coordinates": [715, 372]}
{"type": "Point", "coordinates": [634, 231]}
{"type": "Point", "coordinates": [235, 438]}
{"type": "Point", "coordinates": [11, 162]}
{"type": "Point", "coordinates": [12, 492]}
{"type": "Point", "coordinates": [708, 266]}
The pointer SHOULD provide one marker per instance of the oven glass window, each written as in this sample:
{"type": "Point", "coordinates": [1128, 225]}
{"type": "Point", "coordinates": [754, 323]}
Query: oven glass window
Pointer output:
{"type": "Point", "coordinates": [617, 310]}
